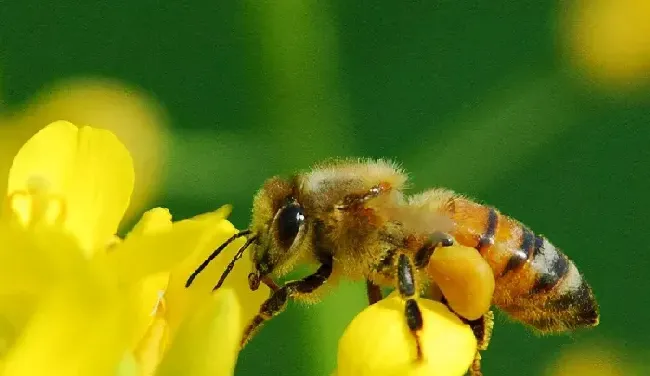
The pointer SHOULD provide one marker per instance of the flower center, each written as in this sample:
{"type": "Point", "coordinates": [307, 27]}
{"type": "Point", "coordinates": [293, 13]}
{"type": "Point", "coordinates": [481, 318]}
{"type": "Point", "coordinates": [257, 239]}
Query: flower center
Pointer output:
{"type": "Point", "coordinates": [36, 205]}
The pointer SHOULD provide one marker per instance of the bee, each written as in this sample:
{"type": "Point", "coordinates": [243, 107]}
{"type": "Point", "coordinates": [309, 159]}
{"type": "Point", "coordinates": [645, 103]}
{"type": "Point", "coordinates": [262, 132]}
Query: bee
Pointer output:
{"type": "Point", "coordinates": [353, 219]}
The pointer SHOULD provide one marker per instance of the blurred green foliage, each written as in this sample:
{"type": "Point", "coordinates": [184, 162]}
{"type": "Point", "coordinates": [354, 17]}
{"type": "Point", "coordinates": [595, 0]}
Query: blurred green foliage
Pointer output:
{"type": "Point", "coordinates": [472, 95]}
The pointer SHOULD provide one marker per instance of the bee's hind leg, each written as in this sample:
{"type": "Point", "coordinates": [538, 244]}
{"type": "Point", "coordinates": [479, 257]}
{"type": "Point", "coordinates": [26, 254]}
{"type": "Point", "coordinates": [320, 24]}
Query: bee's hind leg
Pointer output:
{"type": "Point", "coordinates": [482, 328]}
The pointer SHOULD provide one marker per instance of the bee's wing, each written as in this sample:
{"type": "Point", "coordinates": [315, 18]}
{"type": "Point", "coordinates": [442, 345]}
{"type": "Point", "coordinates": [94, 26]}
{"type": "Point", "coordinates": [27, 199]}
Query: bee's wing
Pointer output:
{"type": "Point", "coordinates": [419, 214]}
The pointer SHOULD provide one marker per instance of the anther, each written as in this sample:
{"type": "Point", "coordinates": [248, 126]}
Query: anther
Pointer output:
{"type": "Point", "coordinates": [36, 205]}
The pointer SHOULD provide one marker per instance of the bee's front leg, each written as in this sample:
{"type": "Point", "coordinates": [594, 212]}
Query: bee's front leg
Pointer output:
{"type": "Point", "coordinates": [373, 291]}
{"type": "Point", "coordinates": [277, 302]}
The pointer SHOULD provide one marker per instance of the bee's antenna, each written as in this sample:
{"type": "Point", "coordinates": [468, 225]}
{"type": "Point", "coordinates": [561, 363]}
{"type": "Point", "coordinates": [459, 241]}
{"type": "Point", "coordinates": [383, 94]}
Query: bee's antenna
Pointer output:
{"type": "Point", "coordinates": [214, 254]}
{"type": "Point", "coordinates": [231, 265]}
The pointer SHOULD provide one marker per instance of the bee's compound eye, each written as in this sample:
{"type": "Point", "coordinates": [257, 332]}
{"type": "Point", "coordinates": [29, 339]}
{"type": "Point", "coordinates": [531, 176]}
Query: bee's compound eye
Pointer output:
{"type": "Point", "coordinates": [289, 222]}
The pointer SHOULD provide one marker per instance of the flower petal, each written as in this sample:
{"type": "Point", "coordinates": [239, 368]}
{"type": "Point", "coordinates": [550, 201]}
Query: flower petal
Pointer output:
{"type": "Point", "coordinates": [152, 346]}
{"type": "Point", "coordinates": [128, 366]}
{"type": "Point", "coordinates": [150, 251]}
{"type": "Point", "coordinates": [157, 245]}
{"type": "Point", "coordinates": [87, 169]}
{"type": "Point", "coordinates": [207, 342]}
{"type": "Point", "coordinates": [378, 342]}
{"type": "Point", "coordinates": [153, 221]}
{"type": "Point", "coordinates": [79, 329]}
{"type": "Point", "coordinates": [131, 114]}
{"type": "Point", "coordinates": [31, 262]}
{"type": "Point", "coordinates": [149, 300]}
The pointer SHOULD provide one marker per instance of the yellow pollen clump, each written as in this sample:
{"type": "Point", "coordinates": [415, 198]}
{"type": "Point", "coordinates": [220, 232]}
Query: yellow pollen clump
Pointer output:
{"type": "Point", "coordinates": [465, 279]}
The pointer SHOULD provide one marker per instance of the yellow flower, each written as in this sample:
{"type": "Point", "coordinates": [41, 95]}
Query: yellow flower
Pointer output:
{"type": "Point", "coordinates": [74, 299]}
{"type": "Point", "coordinates": [609, 39]}
{"type": "Point", "coordinates": [378, 342]}
{"type": "Point", "coordinates": [78, 178]}
{"type": "Point", "coordinates": [131, 114]}
{"type": "Point", "coordinates": [595, 359]}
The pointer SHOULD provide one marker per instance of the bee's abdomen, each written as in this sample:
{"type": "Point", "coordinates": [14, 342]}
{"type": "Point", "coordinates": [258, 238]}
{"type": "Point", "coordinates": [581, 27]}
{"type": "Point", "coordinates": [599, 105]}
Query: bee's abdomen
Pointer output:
{"type": "Point", "coordinates": [535, 282]}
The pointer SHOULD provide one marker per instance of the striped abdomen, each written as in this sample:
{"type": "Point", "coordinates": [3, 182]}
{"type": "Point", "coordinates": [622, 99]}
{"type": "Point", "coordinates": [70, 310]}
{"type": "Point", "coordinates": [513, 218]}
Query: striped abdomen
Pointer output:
{"type": "Point", "coordinates": [535, 282]}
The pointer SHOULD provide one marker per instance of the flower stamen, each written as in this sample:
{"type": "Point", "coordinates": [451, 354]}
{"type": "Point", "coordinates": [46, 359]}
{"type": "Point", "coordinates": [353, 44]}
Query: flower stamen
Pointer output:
{"type": "Point", "coordinates": [36, 205]}
{"type": "Point", "coordinates": [159, 307]}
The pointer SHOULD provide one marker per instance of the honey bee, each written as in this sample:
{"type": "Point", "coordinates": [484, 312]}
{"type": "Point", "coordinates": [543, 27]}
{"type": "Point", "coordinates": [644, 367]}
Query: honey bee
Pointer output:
{"type": "Point", "coordinates": [353, 219]}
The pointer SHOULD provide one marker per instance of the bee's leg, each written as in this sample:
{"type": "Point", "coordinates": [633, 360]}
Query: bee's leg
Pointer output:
{"type": "Point", "coordinates": [373, 291]}
{"type": "Point", "coordinates": [436, 239]}
{"type": "Point", "coordinates": [384, 268]}
{"type": "Point", "coordinates": [407, 289]}
{"type": "Point", "coordinates": [482, 328]}
{"type": "Point", "coordinates": [277, 302]}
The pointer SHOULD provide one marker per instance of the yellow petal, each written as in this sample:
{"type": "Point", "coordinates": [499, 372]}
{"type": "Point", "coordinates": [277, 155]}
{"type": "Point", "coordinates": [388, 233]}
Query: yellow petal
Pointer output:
{"type": "Point", "coordinates": [79, 329]}
{"type": "Point", "coordinates": [128, 366]}
{"type": "Point", "coordinates": [157, 245]}
{"type": "Point", "coordinates": [182, 300]}
{"type": "Point", "coordinates": [31, 262]}
{"type": "Point", "coordinates": [131, 114]}
{"type": "Point", "coordinates": [378, 342]}
{"type": "Point", "coordinates": [153, 221]}
{"type": "Point", "coordinates": [87, 170]}
{"type": "Point", "coordinates": [150, 251]}
{"type": "Point", "coordinates": [149, 300]}
{"type": "Point", "coordinates": [207, 342]}
{"type": "Point", "coordinates": [150, 350]}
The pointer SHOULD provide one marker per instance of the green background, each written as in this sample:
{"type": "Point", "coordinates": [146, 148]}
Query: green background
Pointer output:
{"type": "Point", "coordinates": [472, 95]}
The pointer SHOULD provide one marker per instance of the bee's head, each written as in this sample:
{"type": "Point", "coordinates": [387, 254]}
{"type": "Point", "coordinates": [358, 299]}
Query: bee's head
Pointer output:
{"type": "Point", "coordinates": [277, 231]}
{"type": "Point", "coordinates": [279, 223]}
